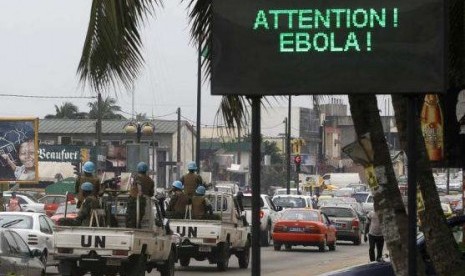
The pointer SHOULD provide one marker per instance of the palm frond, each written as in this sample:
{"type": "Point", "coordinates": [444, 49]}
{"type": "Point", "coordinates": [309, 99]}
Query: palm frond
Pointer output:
{"type": "Point", "coordinates": [112, 49]}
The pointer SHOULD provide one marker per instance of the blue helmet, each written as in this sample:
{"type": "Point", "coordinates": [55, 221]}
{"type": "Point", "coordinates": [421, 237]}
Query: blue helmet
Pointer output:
{"type": "Point", "coordinates": [192, 166]}
{"type": "Point", "coordinates": [87, 186]}
{"type": "Point", "coordinates": [142, 167]}
{"type": "Point", "coordinates": [200, 190]}
{"type": "Point", "coordinates": [89, 167]}
{"type": "Point", "coordinates": [178, 184]}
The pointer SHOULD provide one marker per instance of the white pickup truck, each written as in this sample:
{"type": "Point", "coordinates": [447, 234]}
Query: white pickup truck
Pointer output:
{"type": "Point", "coordinates": [108, 251]}
{"type": "Point", "coordinates": [216, 239]}
{"type": "Point", "coordinates": [268, 215]}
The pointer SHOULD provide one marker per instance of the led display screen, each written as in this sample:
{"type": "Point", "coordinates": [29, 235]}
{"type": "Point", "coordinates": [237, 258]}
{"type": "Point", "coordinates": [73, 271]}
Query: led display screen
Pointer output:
{"type": "Point", "coordinates": [295, 47]}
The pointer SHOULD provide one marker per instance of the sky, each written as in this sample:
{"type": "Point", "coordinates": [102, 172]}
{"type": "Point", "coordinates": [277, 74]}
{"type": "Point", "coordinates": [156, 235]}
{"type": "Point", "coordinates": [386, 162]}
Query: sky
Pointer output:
{"type": "Point", "coordinates": [41, 43]}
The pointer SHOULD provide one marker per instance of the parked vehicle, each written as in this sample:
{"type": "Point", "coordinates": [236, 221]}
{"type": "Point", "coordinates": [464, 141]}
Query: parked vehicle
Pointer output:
{"type": "Point", "coordinates": [71, 213]}
{"type": "Point", "coordinates": [27, 202]}
{"type": "Point", "coordinates": [305, 227]}
{"type": "Point", "coordinates": [347, 222]}
{"type": "Point", "coordinates": [51, 202]}
{"type": "Point", "coordinates": [35, 228]}
{"type": "Point", "coordinates": [17, 258]}
{"type": "Point", "coordinates": [268, 214]}
{"type": "Point", "coordinates": [361, 197]}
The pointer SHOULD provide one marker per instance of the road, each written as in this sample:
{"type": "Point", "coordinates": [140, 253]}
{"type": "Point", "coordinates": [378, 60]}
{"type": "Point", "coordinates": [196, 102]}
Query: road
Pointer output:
{"type": "Point", "coordinates": [299, 261]}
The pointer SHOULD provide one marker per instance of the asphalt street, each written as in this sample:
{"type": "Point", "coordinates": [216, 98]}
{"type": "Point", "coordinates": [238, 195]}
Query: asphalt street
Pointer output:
{"type": "Point", "coordinates": [299, 261]}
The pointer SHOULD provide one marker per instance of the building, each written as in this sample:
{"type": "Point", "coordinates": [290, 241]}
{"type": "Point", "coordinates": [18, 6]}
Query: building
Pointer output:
{"type": "Point", "coordinates": [160, 149]}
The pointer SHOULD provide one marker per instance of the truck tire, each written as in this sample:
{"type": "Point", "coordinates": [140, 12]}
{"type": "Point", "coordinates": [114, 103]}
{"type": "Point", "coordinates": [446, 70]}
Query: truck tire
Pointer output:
{"type": "Point", "coordinates": [223, 256]}
{"type": "Point", "coordinates": [184, 261]}
{"type": "Point", "coordinates": [244, 256]}
{"type": "Point", "coordinates": [167, 269]}
{"type": "Point", "coordinates": [135, 267]}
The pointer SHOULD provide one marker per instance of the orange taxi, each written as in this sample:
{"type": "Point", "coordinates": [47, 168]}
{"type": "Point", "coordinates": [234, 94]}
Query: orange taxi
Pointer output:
{"type": "Point", "coordinates": [302, 226]}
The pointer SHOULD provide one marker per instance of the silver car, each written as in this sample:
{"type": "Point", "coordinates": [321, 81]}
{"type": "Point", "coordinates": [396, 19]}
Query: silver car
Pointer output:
{"type": "Point", "coordinates": [17, 258]}
{"type": "Point", "coordinates": [347, 223]}
{"type": "Point", "coordinates": [27, 202]}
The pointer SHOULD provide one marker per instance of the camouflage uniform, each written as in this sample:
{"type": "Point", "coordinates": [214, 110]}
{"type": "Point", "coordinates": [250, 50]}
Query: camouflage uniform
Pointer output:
{"type": "Point", "coordinates": [147, 189]}
{"type": "Point", "coordinates": [90, 203]}
{"type": "Point", "coordinates": [86, 178]}
{"type": "Point", "coordinates": [200, 205]}
{"type": "Point", "coordinates": [178, 203]}
{"type": "Point", "coordinates": [191, 181]}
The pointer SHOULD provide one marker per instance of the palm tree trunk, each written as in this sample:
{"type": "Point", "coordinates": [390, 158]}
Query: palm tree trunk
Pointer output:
{"type": "Point", "coordinates": [441, 246]}
{"type": "Point", "coordinates": [387, 198]}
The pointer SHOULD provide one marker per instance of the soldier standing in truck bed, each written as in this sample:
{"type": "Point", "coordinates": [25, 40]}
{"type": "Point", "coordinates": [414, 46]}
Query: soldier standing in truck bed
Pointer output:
{"type": "Point", "coordinates": [191, 180]}
{"type": "Point", "coordinates": [89, 169]}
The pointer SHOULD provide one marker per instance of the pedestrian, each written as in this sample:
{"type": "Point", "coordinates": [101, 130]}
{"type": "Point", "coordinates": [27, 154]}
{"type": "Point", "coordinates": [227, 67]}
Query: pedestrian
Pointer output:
{"type": "Point", "coordinates": [143, 188]}
{"type": "Point", "coordinates": [178, 201]}
{"type": "Point", "coordinates": [191, 180]}
{"type": "Point", "coordinates": [89, 203]}
{"type": "Point", "coordinates": [375, 236]}
{"type": "Point", "coordinates": [13, 203]}
{"type": "Point", "coordinates": [200, 204]}
{"type": "Point", "coordinates": [88, 168]}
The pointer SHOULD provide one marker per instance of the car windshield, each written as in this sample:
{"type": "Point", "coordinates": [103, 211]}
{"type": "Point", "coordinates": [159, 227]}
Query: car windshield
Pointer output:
{"type": "Point", "coordinates": [16, 221]}
{"type": "Point", "coordinates": [360, 197]}
{"type": "Point", "coordinates": [337, 212]}
{"type": "Point", "coordinates": [300, 215]}
{"type": "Point", "coordinates": [61, 209]}
{"type": "Point", "coordinates": [289, 202]}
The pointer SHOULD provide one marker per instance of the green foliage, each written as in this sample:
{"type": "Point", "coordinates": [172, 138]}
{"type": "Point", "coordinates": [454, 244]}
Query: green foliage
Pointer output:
{"type": "Point", "coordinates": [108, 108]}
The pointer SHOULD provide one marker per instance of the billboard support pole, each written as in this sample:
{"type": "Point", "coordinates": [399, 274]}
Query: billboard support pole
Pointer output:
{"type": "Point", "coordinates": [412, 186]}
{"type": "Point", "coordinates": [256, 166]}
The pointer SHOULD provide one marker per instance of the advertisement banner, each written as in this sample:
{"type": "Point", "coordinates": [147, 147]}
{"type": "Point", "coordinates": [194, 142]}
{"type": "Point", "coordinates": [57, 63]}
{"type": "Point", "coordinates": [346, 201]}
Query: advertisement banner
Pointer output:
{"type": "Point", "coordinates": [19, 150]}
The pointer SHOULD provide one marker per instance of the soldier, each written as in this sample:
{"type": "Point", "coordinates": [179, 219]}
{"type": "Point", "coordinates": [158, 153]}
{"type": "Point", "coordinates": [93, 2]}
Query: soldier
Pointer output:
{"type": "Point", "coordinates": [143, 187]}
{"type": "Point", "coordinates": [89, 169]}
{"type": "Point", "coordinates": [191, 180]}
{"type": "Point", "coordinates": [178, 200]}
{"type": "Point", "coordinates": [89, 203]}
{"type": "Point", "coordinates": [2, 203]}
{"type": "Point", "coordinates": [200, 204]}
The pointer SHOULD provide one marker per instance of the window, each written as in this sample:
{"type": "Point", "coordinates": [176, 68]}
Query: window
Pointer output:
{"type": "Point", "coordinates": [44, 227]}
{"type": "Point", "coordinates": [22, 246]}
{"type": "Point", "coordinates": [12, 247]}
{"type": "Point", "coordinates": [64, 140]}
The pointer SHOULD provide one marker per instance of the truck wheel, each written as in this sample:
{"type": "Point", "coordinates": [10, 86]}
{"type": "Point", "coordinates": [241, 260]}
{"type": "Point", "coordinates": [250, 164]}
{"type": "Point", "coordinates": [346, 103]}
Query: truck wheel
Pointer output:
{"type": "Point", "coordinates": [167, 269]}
{"type": "Point", "coordinates": [223, 258]}
{"type": "Point", "coordinates": [244, 256]}
{"type": "Point", "coordinates": [265, 237]}
{"type": "Point", "coordinates": [69, 268]}
{"type": "Point", "coordinates": [184, 261]}
{"type": "Point", "coordinates": [277, 246]}
{"type": "Point", "coordinates": [322, 246]}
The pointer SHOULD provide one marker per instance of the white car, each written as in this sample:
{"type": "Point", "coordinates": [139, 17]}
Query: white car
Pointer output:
{"type": "Point", "coordinates": [268, 214]}
{"type": "Point", "coordinates": [28, 203]}
{"type": "Point", "coordinates": [35, 228]}
{"type": "Point", "coordinates": [293, 201]}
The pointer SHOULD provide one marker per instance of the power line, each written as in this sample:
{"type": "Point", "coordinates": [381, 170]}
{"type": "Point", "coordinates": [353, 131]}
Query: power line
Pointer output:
{"type": "Point", "coordinates": [45, 97]}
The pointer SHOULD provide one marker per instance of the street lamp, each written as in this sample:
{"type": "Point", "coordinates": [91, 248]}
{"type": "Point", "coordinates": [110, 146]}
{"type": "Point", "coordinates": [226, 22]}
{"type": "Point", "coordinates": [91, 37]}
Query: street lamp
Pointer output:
{"type": "Point", "coordinates": [139, 128]}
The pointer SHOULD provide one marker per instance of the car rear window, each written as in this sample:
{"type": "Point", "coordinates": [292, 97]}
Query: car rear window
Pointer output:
{"type": "Point", "coordinates": [337, 212]}
{"type": "Point", "coordinates": [247, 202]}
{"type": "Point", "coordinates": [300, 215]}
{"type": "Point", "coordinates": [16, 221]}
{"type": "Point", "coordinates": [290, 202]}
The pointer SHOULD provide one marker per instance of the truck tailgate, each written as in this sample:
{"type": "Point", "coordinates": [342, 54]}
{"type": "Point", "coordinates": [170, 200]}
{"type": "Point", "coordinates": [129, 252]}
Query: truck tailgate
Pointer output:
{"type": "Point", "coordinates": [198, 229]}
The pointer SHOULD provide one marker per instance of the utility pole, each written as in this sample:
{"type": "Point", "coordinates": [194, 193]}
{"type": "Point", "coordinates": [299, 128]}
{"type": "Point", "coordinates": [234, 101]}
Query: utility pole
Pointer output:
{"type": "Point", "coordinates": [238, 144]}
{"type": "Point", "coordinates": [199, 96]}
{"type": "Point", "coordinates": [99, 129]}
{"type": "Point", "coordinates": [178, 147]}
{"type": "Point", "coordinates": [288, 148]}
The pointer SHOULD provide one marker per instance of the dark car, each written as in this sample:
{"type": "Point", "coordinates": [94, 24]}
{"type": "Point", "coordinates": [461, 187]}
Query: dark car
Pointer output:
{"type": "Point", "coordinates": [385, 268]}
{"type": "Point", "coordinates": [17, 258]}
{"type": "Point", "coordinates": [346, 221]}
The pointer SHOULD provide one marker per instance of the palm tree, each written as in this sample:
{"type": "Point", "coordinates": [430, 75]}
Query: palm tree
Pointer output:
{"type": "Point", "coordinates": [109, 109]}
{"type": "Point", "coordinates": [112, 57]}
{"type": "Point", "coordinates": [66, 111]}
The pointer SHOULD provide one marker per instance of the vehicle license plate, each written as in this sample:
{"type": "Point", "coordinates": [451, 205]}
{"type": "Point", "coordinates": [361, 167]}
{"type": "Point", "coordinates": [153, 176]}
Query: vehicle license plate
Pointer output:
{"type": "Point", "coordinates": [295, 229]}
{"type": "Point", "coordinates": [114, 262]}
{"type": "Point", "coordinates": [340, 225]}
{"type": "Point", "coordinates": [205, 249]}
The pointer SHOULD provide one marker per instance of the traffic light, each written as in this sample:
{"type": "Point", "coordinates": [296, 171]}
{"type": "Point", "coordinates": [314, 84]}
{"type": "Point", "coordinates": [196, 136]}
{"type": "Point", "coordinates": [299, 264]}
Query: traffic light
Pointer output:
{"type": "Point", "coordinates": [297, 161]}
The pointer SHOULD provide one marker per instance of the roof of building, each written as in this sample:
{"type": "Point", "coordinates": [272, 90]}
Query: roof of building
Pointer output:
{"type": "Point", "coordinates": [84, 126]}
